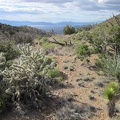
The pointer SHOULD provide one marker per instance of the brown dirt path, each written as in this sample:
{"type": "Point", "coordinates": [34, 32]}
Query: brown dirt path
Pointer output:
{"type": "Point", "coordinates": [82, 93]}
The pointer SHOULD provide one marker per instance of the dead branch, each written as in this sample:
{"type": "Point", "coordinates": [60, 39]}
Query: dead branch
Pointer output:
{"type": "Point", "coordinates": [69, 43]}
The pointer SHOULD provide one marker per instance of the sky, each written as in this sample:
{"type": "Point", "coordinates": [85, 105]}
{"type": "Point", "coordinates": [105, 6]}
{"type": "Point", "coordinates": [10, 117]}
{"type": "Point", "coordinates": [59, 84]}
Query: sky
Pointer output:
{"type": "Point", "coordinates": [58, 10]}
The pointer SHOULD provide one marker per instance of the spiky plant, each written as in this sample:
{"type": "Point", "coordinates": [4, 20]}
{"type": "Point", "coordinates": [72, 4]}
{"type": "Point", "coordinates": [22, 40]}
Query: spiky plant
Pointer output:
{"type": "Point", "coordinates": [111, 93]}
{"type": "Point", "coordinates": [112, 65]}
{"type": "Point", "coordinates": [27, 78]}
{"type": "Point", "coordinates": [2, 83]}
{"type": "Point", "coordinates": [111, 90]}
{"type": "Point", "coordinates": [2, 61]}
{"type": "Point", "coordinates": [3, 97]}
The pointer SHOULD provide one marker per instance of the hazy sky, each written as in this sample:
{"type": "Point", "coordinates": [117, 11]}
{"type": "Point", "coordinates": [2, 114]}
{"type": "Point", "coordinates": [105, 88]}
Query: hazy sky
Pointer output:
{"type": "Point", "coordinates": [58, 10]}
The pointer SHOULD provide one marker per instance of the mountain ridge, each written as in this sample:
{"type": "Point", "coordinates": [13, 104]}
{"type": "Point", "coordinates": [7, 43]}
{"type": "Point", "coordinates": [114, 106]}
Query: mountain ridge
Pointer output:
{"type": "Point", "coordinates": [21, 23]}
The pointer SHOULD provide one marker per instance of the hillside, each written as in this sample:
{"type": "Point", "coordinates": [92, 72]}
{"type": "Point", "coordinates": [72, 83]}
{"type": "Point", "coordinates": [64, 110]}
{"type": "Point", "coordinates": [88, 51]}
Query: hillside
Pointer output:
{"type": "Point", "coordinates": [75, 76]}
{"type": "Point", "coordinates": [19, 34]}
{"type": "Point", "coordinates": [114, 20]}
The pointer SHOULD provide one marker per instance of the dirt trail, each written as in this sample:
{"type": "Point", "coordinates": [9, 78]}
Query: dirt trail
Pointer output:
{"type": "Point", "coordinates": [82, 93]}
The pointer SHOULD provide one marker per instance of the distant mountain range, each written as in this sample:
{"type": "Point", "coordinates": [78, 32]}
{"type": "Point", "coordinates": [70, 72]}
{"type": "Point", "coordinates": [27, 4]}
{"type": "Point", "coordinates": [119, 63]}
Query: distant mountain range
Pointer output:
{"type": "Point", "coordinates": [21, 23]}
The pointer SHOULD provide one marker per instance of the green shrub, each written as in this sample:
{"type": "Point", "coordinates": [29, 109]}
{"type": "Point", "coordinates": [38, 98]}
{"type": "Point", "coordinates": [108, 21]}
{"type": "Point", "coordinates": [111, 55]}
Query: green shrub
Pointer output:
{"type": "Point", "coordinates": [83, 35]}
{"type": "Point", "coordinates": [3, 62]}
{"type": "Point", "coordinates": [111, 93]}
{"type": "Point", "coordinates": [38, 38]}
{"type": "Point", "coordinates": [53, 73]}
{"type": "Point", "coordinates": [106, 38]}
{"type": "Point", "coordinates": [68, 30]}
{"type": "Point", "coordinates": [44, 39]}
{"type": "Point", "coordinates": [82, 50]}
{"type": "Point", "coordinates": [99, 63]}
{"type": "Point", "coordinates": [111, 90]}
{"type": "Point", "coordinates": [112, 65]}
{"type": "Point", "coordinates": [9, 51]}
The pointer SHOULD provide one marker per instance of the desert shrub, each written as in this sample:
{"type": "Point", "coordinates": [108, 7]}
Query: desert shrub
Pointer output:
{"type": "Point", "coordinates": [53, 73]}
{"type": "Point", "coordinates": [111, 90]}
{"type": "Point", "coordinates": [82, 50]}
{"type": "Point", "coordinates": [112, 65]}
{"type": "Point", "coordinates": [68, 30]}
{"type": "Point", "coordinates": [22, 37]}
{"type": "Point", "coordinates": [38, 38]}
{"type": "Point", "coordinates": [47, 47]}
{"type": "Point", "coordinates": [106, 39]}
{"type": "Point", "coordinates": [111, 93]}
{"type": "Point", "coordinates": [83, 35]}
{"type": "Point", "coordinates": [99, 63]}
{"type": "Point", "coordinates": [2, 61]}
{"type": "Point", "coordinates": [10, 52]}
{"type": "Point", "coordinates": [76, 112]}
{"type": "Point", "coordinates": [28, 81]}
{"type": "Point", "coordinates": [44, 39]}
{"type": "Point", "coordinates": [3, 97]}
{"type": "Point", "coordinates": [78, 36]}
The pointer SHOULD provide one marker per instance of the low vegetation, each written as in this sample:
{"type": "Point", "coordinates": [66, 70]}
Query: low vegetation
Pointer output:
{"type": "Point", "coordinates": [22, 34]}
{"type": "Point", "coordinates": [27, 75]}
{"type": "Point", "coordinates": [82, 51]}
{"type": "Point", "coordinates": [67, 30]}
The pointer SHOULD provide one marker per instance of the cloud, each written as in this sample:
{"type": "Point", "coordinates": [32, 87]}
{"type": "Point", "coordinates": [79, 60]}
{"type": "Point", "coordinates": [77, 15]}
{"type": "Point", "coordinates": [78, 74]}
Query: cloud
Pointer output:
{"type": "Point", "coordinates": [58, 10]}
{"type": "Point", "coordinates": [109, 1]}
{"type": "Point", "coordinates": [99, 5]}
{"type": "Point", "coordinates": [48, 1]}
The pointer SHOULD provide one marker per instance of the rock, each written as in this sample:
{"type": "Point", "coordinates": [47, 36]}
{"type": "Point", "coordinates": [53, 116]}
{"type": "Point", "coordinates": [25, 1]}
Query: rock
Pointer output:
{"type": "Point", "coordinates": [99, 84]}
{"type": "Point", "coordinates": [65, 67]}
{"type": "Point", "coordinates": [69, 84]}
{"type": "Point", "coordinates": [92, 108]}
{"type": "Point", "coordinates": [91, 97]}
{"type": "Point", "coordinates": [78, 79]}
{"type": "Point", "coordinates": [71, 68]}
{"type": "Point", "coordinates": [100, 73]}
{"type": "Point", "coordinates": [81, 84]}
{"type": "Point", "coordinates": [92, 91]}
{"type": "Point", "coordinates": [88, 78]}
{"type": "Point", "coordinates": [68, 97]}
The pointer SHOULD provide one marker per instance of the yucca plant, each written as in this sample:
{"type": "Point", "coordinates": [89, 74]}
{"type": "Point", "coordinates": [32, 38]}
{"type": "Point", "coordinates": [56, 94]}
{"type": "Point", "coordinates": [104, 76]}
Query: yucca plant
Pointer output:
{"type": "Point", "coordinates": [112, 65]}
{"type": "Point", "coordinates": [110, 93]}
{"type": "Point", "coordinates": [111, 90]}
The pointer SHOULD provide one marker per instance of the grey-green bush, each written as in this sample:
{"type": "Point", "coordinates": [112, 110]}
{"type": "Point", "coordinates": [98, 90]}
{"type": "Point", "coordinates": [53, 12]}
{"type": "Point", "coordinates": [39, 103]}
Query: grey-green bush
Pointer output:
{"type": "Point", "coordinates": [28, 81]}
{"type": "Point", "coordinates": [67, 30]}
